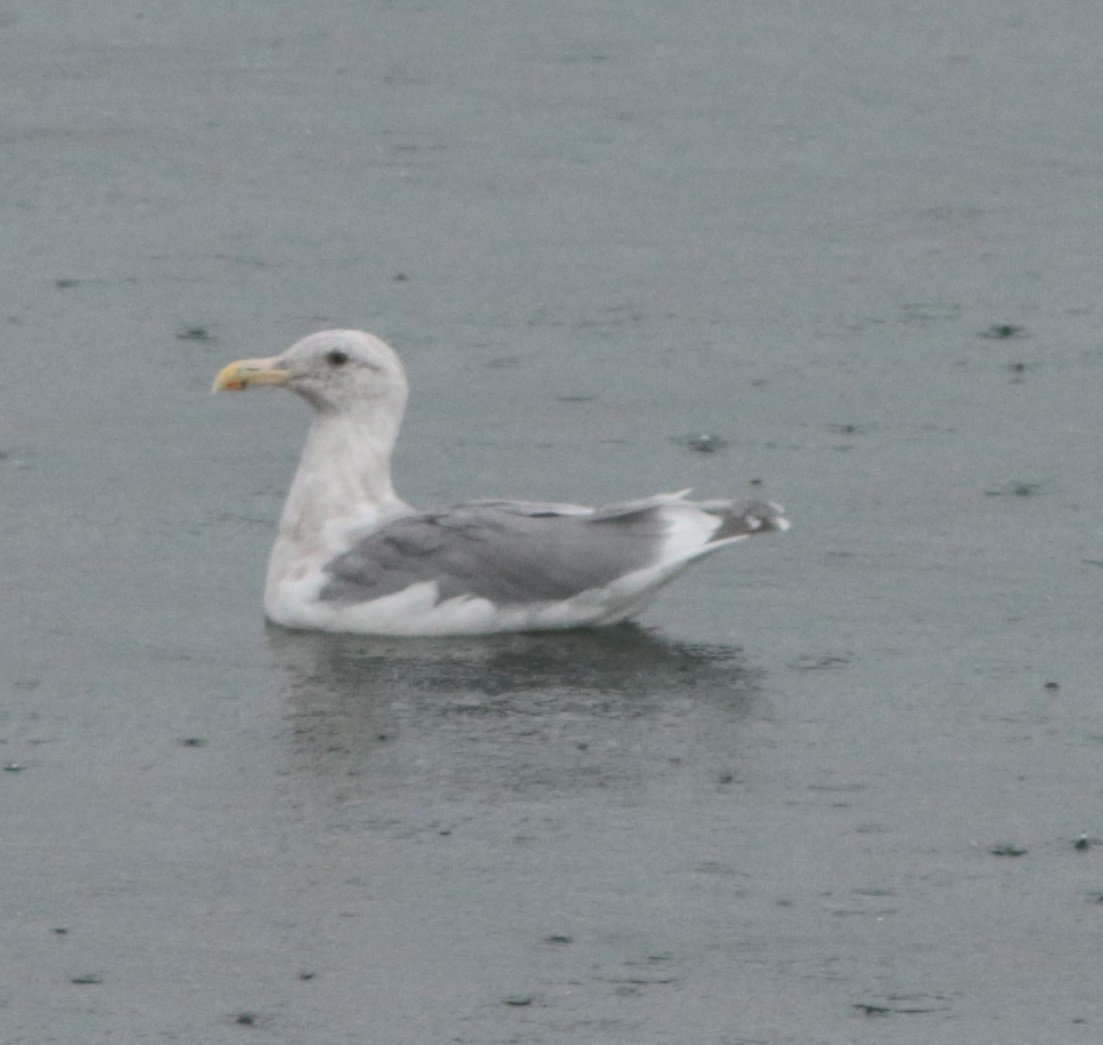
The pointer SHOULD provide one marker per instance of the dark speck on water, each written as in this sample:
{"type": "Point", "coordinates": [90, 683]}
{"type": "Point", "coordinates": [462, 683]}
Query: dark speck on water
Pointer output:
{"type": "Point", "coordinates": [1019, 489]}
{"type": "Point", "coordinates": [872, 1010]}
{"type": "Point", "coordinates": [824, 662]}
{"type": "Point", "coordinates": [195, 334]}
{"type": "Point", "coordinates": [905, 1005]}
{"type": "Point", "coordinates": [704, 442]}
{"type": "Point", "coordinates": [1003, 331]}
{"type": "Point", "coordinates": [1007, 850]}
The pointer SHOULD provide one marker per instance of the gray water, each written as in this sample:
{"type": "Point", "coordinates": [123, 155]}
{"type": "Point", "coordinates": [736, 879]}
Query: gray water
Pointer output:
{"type": "Point", "coordinates": [857, 242]}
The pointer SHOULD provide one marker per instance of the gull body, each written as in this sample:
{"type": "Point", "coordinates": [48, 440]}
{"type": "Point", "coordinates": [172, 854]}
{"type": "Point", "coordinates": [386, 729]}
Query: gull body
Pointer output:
{"type": "Point", "coordinates": [351, 556]}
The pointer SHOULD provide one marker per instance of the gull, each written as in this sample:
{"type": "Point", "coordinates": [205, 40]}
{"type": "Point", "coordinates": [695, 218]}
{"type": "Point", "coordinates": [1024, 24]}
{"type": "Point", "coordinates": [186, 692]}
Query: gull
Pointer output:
{"type": "Point", "coordinates": [351, 556]}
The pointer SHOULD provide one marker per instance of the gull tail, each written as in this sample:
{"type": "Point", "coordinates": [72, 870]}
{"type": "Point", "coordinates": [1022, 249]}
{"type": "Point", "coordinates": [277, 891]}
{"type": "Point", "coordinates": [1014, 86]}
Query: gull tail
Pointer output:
{"type": "Point", "coordinates": [699, 528]}
{"type": "Point", "coordinates": [746, 520]}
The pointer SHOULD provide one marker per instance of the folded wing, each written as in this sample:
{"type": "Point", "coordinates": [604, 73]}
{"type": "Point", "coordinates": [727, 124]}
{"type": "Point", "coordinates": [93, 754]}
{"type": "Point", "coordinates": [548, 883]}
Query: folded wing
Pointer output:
{"type": "Point", "coordinates": [522, 552]}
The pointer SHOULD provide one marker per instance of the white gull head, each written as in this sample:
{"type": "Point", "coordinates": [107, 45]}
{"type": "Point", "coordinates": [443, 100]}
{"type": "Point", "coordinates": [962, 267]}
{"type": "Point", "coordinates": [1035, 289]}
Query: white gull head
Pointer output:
{"type": "Point", "coordinates": [346, 371]}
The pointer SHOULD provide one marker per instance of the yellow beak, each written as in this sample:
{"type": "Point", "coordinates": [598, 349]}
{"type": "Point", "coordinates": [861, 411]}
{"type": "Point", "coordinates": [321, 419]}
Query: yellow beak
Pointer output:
{"type": "Point", "coordinates": [245, 372]}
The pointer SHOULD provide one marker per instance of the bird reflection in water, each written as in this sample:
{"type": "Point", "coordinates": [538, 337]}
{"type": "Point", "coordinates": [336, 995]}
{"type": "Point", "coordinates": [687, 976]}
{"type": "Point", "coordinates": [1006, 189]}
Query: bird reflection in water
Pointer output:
{"type": "Point", "coordinates": [556, 708]}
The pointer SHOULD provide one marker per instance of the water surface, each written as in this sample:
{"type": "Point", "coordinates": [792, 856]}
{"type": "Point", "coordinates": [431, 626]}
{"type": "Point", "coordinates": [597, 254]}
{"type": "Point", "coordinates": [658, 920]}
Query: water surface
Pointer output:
{"type": "Point", "coordinates": [855, 243]}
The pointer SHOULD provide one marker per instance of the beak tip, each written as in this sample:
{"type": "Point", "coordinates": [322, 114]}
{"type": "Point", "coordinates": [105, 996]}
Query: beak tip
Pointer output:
{"type": "Point", "coordinates": [228, 386]}
{"type": "Point", "coordinates": [236, 377]}
{"type": "Point", "coordinates": [231, 378]}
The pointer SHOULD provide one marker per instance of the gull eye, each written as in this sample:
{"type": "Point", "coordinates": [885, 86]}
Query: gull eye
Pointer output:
{"type": "Point", "coordinates": [337, 357]}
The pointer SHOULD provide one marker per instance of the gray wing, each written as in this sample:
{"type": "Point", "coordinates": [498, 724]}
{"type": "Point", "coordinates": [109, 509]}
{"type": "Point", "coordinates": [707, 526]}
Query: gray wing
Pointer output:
{"type": "Point", "coordinates": [509, 552]}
